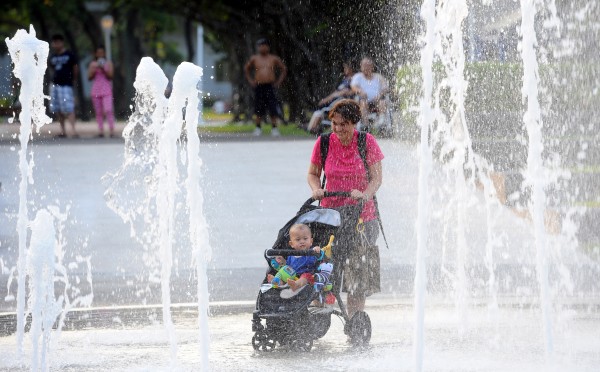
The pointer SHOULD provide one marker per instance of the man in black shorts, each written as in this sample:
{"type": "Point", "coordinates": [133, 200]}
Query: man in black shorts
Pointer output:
{"type": "Point", "coordinates": [265, 72]}
{"type": "Point", "coordinates": [65, 66]}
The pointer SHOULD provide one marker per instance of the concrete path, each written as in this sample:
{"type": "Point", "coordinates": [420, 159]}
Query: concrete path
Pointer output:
{"type": "Point", "coordinates": [512, 342]}
{"type": "Point", "coordinates": [251, 188]}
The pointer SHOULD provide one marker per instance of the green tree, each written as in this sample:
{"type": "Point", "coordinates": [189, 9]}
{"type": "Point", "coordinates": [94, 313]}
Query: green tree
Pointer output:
{"type": "Point", "coordinates": [312, 37]}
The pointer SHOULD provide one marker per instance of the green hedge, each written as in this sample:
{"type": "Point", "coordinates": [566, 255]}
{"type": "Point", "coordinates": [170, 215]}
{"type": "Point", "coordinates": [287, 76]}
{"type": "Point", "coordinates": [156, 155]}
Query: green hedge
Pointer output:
{"type": "Point", "coordinates": [495, 87]}
{"type": "Point", "coordinates": [492, 87]}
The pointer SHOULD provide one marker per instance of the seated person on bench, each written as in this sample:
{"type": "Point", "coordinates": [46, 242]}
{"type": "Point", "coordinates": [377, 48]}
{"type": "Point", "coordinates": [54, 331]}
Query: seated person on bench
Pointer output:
{"type": "Point", "coordinates": [342, 91]}
{"type": "Point", "coordinates": [371, 89]}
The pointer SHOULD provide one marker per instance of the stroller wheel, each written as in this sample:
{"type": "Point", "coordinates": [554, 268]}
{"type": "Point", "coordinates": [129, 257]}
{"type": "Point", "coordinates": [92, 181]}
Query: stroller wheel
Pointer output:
{"type": "Point", "coordinates": [319, 325]}
{"type": "Point", "coordinates": [359, 329]}
{"type": "Point", "coordinates": [302, 345]}
{"type": "Point", "coordinates": [262, 342]}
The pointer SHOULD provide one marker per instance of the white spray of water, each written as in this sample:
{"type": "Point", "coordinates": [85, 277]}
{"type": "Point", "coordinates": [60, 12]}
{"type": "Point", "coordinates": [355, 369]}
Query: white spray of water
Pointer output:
{"type": "Point", "coordinates": [132, 190]}
{"type": "Point", "coordinates": [42, 304]}
{"type": "Point", "coordinates": [29, 56]}
{"type": "Point", "coordinates": [454, 133]}
{"type": "Point", "coordinates": [72, 295]}
{"type": "Point", "coordinates": [184, 95]}
{"type": "Point", "coordinates": [535, 173]}
{"type": "Point", "coordinates": [185, 77]}
{"type": "Point", "coordinates": [425, 164]}
{"type": "Point", "coordinates": [449, 133]}
{"type": "Point", "coordinates": [152, 139]}
{"type": "Point", "coordinates": [165, 203]}
{"type": "Point", "coordinates": [152, 82]}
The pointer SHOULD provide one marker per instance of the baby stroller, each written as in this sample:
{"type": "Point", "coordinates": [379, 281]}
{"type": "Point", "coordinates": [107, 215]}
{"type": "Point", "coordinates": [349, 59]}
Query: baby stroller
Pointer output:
{"type": "Point", "coordinates": [293, 322]}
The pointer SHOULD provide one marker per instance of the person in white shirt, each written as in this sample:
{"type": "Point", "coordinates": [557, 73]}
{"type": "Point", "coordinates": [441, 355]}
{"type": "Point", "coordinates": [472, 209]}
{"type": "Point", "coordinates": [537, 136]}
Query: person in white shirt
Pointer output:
{"type": "Point", "coordinates": [371, 89]}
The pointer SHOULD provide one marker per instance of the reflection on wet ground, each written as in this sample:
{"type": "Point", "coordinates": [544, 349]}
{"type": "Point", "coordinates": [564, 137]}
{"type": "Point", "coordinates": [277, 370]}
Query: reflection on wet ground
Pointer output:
{"type": "Point", "coordinates": [515, 342]}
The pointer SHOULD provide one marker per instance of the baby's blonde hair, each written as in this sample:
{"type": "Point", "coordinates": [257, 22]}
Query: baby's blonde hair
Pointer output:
{"type": "Point", "coordinates": [299, 226]}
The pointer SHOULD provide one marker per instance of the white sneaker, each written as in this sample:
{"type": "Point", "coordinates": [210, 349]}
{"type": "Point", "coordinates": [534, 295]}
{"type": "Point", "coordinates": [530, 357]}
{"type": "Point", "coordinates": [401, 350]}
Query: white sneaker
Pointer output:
{"type": "Point", "coordinates": [257, 132]}
{"type": "Point", "coordinates": [275, 132]}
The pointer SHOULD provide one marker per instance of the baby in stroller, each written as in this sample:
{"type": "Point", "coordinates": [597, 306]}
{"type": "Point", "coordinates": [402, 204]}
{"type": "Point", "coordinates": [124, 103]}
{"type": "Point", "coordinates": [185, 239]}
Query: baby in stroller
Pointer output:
{"type": "Point", "coordinates": [293, 311]}
{"type": "Point", "coordinates": [298, 271]}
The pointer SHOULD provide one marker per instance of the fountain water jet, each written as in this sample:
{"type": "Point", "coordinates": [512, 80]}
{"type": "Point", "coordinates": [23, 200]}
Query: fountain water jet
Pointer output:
{"type": "Point", "coordinates": [445, 134]}
{"type": "Point", "coordinates": [157, 152]}
{"type": "Point", "coordinates": [535, 169]}
{"type": "Point", "coordinates": [44, 307]}
{"type": "Point", "coordinates": [29, 56]}
{"type": "Point", "coordinates": [197, 223]}
{"type": "Point", "coordinates": [425, 164]}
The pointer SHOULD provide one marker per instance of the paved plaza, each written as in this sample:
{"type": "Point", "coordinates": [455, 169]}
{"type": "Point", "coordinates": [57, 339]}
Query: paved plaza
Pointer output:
{"type": "Point", "coordinates": [252, 186]}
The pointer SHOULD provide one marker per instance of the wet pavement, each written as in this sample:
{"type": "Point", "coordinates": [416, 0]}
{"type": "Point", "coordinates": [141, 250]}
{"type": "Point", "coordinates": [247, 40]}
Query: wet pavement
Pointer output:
{"type": "Point", "coordinates": [513, 343]}
{"type": "Point", "coordinates": [251, 188]}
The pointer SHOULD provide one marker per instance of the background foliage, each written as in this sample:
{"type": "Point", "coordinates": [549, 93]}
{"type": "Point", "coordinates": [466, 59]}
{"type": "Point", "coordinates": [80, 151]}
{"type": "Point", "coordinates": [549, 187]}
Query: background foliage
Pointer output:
{"type": "Point", "coordinates": [312, 37]}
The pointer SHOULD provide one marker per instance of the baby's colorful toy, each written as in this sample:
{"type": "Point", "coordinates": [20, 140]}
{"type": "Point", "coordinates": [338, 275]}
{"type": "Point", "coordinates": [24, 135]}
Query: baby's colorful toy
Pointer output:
{"type": "Point", "coordinates": [322, 275]}
{"type": "Point", "coordinates": [322, 283]}
{"type": "Point", "coordinates": [283, 275]}
{"type": "Point", "coordinates": [327, 249]}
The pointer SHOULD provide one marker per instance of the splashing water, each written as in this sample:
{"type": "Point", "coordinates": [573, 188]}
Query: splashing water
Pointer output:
{"type": "Point", "coordinates": [153, 207]}
{"type": "Point", "coordinates": [41, 265]}
{"type": "Point", "coordinates": [29, 56]}
{"type": "Point", "coordinates": [535, 168]}
{"type": "Point", "coordinates": [463, 176]}
{"type": "Point", "coordinates": [44, 307]}
{"type": "Point", "coordinates": [425, 122]}
{"type": "Point", "coordinates": [198, 227]}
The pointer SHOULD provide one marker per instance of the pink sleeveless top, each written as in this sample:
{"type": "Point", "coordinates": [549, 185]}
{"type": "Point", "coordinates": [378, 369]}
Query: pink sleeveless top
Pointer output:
{"type": "Point", "coordinates": [101, 85]}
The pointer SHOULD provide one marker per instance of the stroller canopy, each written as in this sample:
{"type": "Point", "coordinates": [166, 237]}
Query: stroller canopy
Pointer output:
{"type": "Point", "coordinates": [322, 221]}
{"type": "Point", "coordinates": [325, 216]}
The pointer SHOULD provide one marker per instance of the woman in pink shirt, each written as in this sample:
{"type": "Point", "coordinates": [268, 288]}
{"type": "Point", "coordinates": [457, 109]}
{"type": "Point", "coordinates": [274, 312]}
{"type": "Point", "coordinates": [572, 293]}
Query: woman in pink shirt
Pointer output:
{"type": "Point", "coordinates": [100, 72]}
{"type": "Point", "coordinates": [345, 171]}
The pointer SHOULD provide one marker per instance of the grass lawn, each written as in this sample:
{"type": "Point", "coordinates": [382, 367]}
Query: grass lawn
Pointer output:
{"type": "Point", "coordinates": [209, 115]}
{"type": "Point", "coordinates": [234, 128]}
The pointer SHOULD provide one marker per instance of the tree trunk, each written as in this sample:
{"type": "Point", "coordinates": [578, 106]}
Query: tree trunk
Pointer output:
{"type": "Point", "coordinates": [188, 30]}
{"type": "Point", "coordinates": [129, 55]}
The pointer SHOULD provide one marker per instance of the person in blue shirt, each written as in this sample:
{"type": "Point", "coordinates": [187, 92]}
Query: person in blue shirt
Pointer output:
{"type": "Point", "coordinates": [304, 266]}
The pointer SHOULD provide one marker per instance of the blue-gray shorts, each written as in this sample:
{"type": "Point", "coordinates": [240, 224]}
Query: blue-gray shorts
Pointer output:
{"type": "Point", "coordinates": [61, 99]}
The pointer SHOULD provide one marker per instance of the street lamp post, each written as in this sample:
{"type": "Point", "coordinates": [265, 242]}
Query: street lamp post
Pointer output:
{"type": "Point", "coordinates": [200, 62]}
{"type": "Point", "coordinates": [107, 24]}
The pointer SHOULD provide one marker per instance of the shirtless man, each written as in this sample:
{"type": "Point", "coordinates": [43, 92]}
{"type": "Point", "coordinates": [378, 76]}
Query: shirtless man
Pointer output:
{"type": "Point", "coordinates": [261, 72]}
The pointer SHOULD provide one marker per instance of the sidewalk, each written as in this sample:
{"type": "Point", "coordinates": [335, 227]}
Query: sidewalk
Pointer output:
{"type": "Point", "coordinates": [85, 130]}
{"type": "Point", "coordinates": [88, 132]}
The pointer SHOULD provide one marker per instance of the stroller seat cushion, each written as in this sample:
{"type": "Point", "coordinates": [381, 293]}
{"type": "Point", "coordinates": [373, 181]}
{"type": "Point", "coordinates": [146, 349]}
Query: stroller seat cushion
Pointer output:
{"type": "Point", "coordinates": [289, 293]}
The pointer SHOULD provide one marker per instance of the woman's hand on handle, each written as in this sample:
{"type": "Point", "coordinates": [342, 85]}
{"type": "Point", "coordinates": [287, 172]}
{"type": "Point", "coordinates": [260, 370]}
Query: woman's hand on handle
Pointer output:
{"type": "Point", "coordinates": [358, 195]}
{"type": "Point", "coordinates": [318, 194]}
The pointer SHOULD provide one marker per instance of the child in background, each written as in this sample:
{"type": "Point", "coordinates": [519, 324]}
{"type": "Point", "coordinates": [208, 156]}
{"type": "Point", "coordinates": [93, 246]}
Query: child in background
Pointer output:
{"type": "Point", "coordinates": [100, 72]}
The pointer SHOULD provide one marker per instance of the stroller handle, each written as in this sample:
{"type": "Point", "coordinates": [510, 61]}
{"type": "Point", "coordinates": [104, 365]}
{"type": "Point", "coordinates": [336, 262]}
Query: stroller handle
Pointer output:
{"type": "Point", "coordinates": [290, 252]}
{"type": "Point", "coordinates": [328, 194]}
